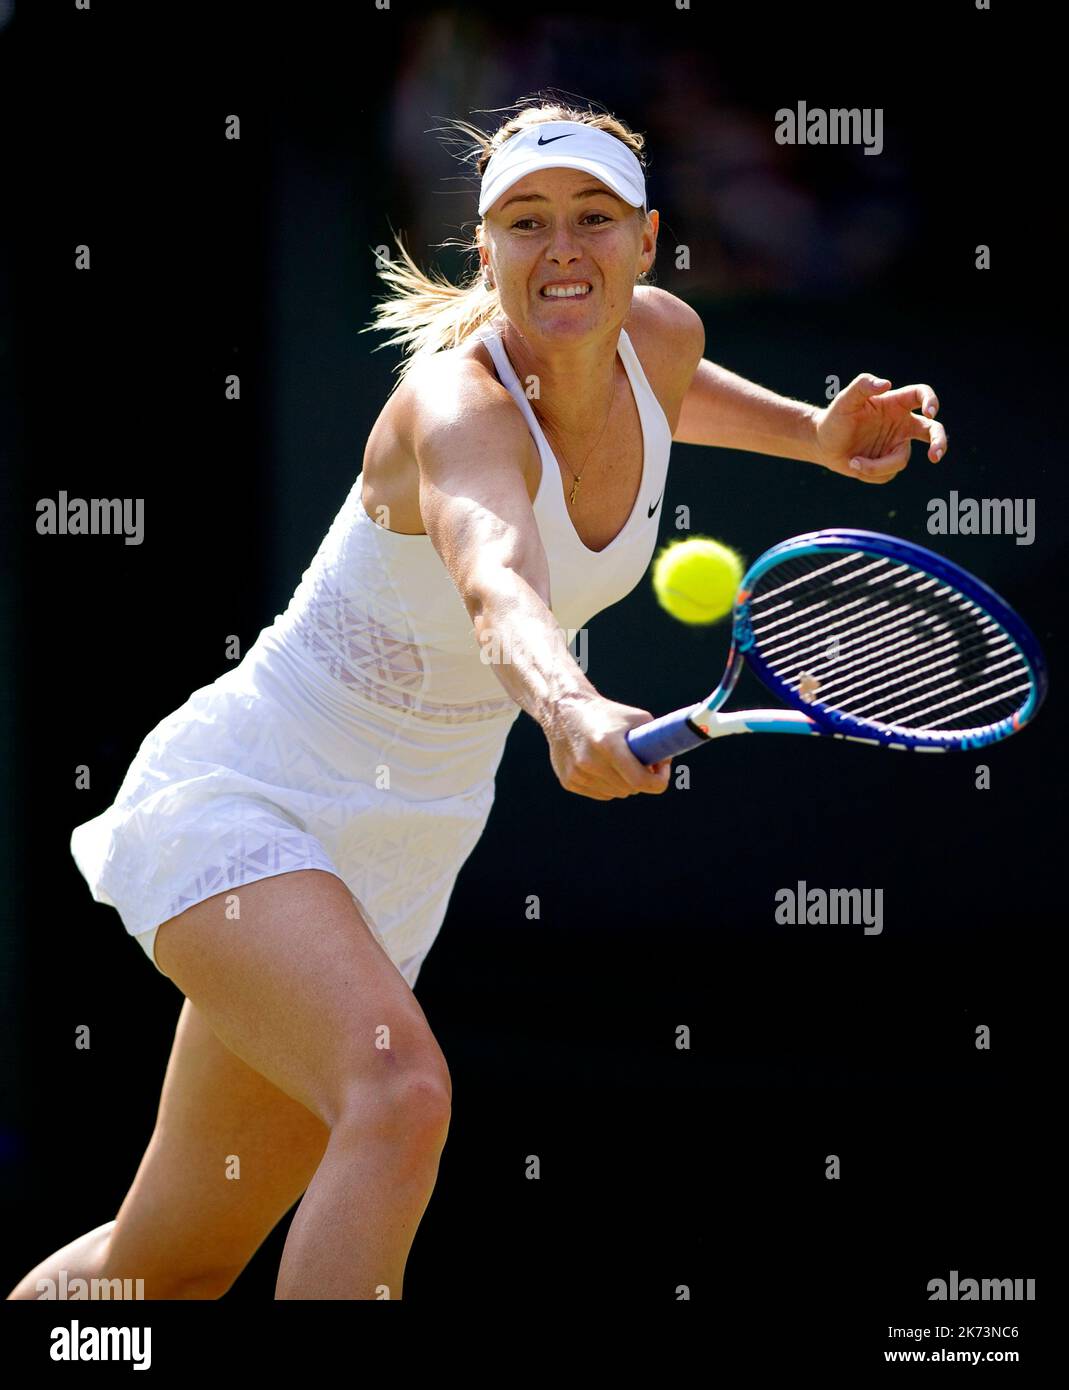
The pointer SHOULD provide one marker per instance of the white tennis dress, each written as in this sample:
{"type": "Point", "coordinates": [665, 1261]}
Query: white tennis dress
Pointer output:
{"type": "Point", "coordinates": [362, 731]}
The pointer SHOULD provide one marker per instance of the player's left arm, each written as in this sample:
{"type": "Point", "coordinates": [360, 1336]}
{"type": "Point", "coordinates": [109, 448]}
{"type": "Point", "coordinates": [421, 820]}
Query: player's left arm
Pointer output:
{"type": "Point", "coordinates": [866, 432]}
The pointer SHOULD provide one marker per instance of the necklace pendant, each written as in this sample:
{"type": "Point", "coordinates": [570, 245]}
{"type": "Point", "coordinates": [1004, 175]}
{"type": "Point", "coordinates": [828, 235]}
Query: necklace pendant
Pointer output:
{"type": "Point", "coordinates": [572, 497]}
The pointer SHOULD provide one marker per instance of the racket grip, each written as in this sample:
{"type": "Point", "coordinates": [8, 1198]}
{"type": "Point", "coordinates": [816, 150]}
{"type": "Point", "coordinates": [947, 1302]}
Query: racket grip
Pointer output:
{"type": "Point", "coordinates": [665, 737]}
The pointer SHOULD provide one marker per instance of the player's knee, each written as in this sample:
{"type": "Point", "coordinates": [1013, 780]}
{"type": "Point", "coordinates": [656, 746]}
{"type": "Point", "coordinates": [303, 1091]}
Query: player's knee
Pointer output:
{"type": "Point", "coordinates": [408, 1104]}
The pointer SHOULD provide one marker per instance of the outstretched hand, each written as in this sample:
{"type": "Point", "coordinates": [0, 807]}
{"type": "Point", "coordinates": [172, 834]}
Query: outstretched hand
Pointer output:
{"type": "Point", "coordinates": [867, 431]}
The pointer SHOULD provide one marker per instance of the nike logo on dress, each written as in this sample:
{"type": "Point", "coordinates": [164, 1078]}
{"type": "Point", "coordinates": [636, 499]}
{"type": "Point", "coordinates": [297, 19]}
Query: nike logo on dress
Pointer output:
{"type": "Point", "coordinates": [655, 505]}
{"type": "Point", "coordinates": [555, 137]}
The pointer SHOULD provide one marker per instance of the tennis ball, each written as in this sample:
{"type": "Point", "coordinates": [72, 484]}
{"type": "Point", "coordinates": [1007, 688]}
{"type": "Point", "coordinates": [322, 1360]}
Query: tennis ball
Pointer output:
{"type": "Point", "coordinates": [696, 579]}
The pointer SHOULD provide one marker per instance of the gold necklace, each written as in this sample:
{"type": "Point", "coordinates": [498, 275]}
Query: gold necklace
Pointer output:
{"type": "Point", "coordinates": [579, 476]}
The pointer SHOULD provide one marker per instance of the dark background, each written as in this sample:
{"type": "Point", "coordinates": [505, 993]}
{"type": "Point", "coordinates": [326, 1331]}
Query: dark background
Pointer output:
{"type": "Point", "coordinates": [660, 1167]}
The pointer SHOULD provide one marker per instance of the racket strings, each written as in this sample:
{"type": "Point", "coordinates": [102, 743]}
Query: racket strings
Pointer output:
{"type": "Point", "coordinates": [882, 641]}
{"type": "Point", "coordinates": [938, 660]}
{"type": "Point", "coordinates": [872, 656]}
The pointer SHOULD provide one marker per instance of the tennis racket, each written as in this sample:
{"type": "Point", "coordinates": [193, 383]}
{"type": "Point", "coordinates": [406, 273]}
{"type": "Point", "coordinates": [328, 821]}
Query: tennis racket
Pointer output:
{"type": "Point", "coordinates": [868, 638]}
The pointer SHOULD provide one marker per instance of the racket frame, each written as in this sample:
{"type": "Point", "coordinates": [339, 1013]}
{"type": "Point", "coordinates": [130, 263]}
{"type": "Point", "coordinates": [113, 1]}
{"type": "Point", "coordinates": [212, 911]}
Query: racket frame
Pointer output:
{"type": "Point", "coordinates": [697, 724]}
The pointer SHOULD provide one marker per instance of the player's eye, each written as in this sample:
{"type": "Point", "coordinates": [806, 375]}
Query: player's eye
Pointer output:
{"type": "Point", "coordinates": [518, 224]}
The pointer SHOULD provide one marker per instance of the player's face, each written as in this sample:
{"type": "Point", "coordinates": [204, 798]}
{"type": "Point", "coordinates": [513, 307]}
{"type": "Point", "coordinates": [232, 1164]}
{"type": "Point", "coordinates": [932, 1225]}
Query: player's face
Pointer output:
{"type": "Point", "coordinates": [563, 230]}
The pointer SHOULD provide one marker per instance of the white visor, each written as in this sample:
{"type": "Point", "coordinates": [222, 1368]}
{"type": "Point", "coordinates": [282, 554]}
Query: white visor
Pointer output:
{"type": "Point", "coordinates": [564, 145]}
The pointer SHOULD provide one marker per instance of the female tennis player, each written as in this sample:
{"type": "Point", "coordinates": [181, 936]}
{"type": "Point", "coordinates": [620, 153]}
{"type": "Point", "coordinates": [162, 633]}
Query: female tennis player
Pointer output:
{"type": "Point", "coordinates": [285, 843]}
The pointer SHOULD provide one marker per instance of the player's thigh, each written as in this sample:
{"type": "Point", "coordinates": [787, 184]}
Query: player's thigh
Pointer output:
{"type": "Point", "coordinates": [229, 1155]}
{"type": "Point", "coordinates": [290, 977]}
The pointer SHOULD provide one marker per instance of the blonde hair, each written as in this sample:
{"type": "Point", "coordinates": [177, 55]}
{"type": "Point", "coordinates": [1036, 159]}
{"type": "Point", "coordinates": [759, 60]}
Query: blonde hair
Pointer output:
{"type": "Point", "coordinates": [428, 312]}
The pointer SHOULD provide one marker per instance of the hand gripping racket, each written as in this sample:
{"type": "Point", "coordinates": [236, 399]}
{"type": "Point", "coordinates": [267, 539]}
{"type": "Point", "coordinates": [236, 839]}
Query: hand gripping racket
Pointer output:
{"type": "Point", "coordinates": [872, 639]}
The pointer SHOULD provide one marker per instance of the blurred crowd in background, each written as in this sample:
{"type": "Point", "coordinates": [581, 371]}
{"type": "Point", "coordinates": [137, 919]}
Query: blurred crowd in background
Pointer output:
{"type": "Point", "coordinates": [757, 216]}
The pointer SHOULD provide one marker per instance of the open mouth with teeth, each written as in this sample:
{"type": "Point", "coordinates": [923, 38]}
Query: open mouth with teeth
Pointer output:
{"type": "Point", "coordinates": [576, 291]}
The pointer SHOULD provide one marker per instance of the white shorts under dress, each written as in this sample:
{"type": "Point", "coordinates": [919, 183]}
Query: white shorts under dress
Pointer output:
{"type": "Point", "coordinates": [231, 788]}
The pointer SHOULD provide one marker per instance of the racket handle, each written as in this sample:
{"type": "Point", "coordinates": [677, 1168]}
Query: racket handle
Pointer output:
{"type": "Point", "coordinates": [665, 737]}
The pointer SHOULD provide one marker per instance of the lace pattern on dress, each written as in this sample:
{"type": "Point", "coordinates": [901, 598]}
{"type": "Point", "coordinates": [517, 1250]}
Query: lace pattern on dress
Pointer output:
{"type": "Point", "coordinates": [346, 641]}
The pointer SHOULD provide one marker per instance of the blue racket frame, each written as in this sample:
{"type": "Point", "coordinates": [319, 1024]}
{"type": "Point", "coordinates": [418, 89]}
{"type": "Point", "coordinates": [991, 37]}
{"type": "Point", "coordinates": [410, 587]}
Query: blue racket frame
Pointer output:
{"type": "Point", "coordinates": [688, 728]}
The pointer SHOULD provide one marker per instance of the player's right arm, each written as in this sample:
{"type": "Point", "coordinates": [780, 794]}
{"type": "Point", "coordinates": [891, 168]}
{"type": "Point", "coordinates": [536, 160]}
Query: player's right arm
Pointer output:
{"type": "Point", "coordinates": [470, 442]}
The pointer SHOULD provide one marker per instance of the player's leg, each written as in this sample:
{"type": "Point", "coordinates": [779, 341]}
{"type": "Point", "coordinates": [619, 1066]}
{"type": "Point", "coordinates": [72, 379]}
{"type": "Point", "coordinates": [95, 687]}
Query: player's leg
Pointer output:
{"type": "Point", "coordinates": [185, 1231]}
{"type": "Point", "coordinates": [301, 990]}
{"type": "Point", "coordinates": [83, 1258]}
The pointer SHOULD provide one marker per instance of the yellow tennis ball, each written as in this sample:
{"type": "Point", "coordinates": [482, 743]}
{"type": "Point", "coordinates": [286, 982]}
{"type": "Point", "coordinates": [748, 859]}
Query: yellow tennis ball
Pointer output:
{"type": "Point", "coordinates": [696, 579]}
